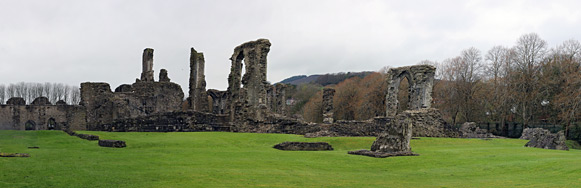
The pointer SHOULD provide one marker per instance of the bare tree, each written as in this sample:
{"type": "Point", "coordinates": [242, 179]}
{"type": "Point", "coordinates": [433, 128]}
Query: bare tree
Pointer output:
{"type": "Point", "coordinates": [529, 53]}
{"type": "Point", "coordinates": [75, 98]}
{"type": "Point", "coordinates": [2, 93]}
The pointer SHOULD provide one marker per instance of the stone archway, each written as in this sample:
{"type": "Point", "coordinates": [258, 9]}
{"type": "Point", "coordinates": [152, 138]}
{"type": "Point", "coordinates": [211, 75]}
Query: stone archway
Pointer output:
{"type": "Point", "coordinates": [51, 124]}
{"type": "Point", "coordinates": [30, 125]}
{"type": "Point", "coordinates": [421, 81]}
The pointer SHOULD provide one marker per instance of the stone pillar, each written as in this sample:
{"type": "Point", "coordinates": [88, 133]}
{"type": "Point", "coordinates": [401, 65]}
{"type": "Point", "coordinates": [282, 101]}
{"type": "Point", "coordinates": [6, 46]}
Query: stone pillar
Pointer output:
{"type": "Point", "coordinates": [328, 95]}
{"type": "Point", "coordinates": [147, 71]}
{"type": "Point", "coordinates": [197, 91]}
{"type": "Point", "coordinates": [163, 76]}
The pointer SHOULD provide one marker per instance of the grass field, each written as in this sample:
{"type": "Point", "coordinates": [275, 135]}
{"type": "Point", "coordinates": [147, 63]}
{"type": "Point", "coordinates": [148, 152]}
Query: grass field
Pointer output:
{"type": "Point", "coordinates": [218, 159]}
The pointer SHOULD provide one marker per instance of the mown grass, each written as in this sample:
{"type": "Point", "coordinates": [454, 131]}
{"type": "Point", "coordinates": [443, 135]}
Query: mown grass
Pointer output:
{"type": "Point", "coordinates": [218, 159]}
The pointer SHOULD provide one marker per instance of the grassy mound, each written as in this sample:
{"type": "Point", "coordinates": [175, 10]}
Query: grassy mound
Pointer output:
{"type": "Point", "coordinates": [216, 159]}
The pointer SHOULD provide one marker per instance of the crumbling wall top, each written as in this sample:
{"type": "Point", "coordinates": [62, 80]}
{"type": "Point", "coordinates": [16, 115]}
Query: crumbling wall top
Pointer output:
{"type": "Point", "coordinates": [41, 101]}
{"type": "Point", "coordinates": [16, 101]}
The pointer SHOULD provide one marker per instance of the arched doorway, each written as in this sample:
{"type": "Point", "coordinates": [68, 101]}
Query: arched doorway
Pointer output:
{"type": "Point", "coordinates": [403, 95]}
{"type": "Point", "coordinates": [30, 125]}
{"type": "Point", "coordinates": [51, 125]}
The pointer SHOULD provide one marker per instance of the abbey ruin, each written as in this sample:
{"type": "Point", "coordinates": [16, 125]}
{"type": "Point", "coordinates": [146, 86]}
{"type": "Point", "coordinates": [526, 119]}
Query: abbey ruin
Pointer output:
{"type": "Point", "coordinates": [250, 104]}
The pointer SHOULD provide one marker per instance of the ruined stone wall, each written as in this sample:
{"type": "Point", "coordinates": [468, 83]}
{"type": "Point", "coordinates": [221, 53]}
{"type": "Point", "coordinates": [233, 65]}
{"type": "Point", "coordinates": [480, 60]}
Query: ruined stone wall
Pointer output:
{"type": "Point", "coordinates": [219, 101]}
{"type": "Point", "coordinates": [249, 101]}
{"type": "Point", "coordinates": [197, 89]}
{"type": "Point", "coordinates": [421, 82]}
{"type": "Point", "coordinates": [142, 98]}
{"type": "Point", "coordinates": [276, 98]}
{"type": "Point", "coordinates": [145, 98]}
{"type": "Point", "coordinates": [42, 115]}
{"type": "Point", "coordinates": [428, 122]}
{"type": "Point", "coordinates": [169, 122]}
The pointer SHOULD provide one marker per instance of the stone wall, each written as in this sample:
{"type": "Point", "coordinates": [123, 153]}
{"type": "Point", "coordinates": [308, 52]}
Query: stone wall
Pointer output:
{"type": "Point", "coordinates": [197, 89]}
{"type": "Point", "coordinates": [41, 115]}
{"type": "Point", "coordinates": [219, 101]}
{"type": "Point", "coordinates": [169, 122]}
{"type": "Point", "coordinates": [247, 94]}
{"type": "Point", "coordinates": [421, 82]}
{"type": "Point", "coordinates": [145, 98]}
{"type": "Point", "coordinates": [276, 98]}
{"type": "Point", "coordinates": [428, 122]}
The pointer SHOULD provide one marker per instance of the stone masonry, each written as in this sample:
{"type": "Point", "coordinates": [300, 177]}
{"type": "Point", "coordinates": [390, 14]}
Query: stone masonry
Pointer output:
{"type": "Point", "coordinates": [276, 98]}
{"type": "Point", "coordinates": [421, 79]}
{"type": "Point", "coordinates": [247, 94]}
{"type": "Point", "coordinates": [393, 142]}
{"type": "Point", "coordinates": [542, 138]}
{"type": "Point", "coordinates": [197, 90]}
{"type": "Point", "coordinates": [328, 94]}
{"type": "Point", "coordinates": [40, 115]}
{"type": "Point", "coordinates": [147, 71]}
{"type": "Point", "coordinates": [219, 100]}
{"type": "Point", "coordinates": [144, 97]}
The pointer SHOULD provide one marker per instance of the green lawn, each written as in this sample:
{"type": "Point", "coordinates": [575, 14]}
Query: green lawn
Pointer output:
{"type": "Point", "coordinates": [217, 159]}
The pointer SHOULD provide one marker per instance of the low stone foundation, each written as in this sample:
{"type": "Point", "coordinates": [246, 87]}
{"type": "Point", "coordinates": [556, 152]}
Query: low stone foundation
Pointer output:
{"type": "Point", "coordinates": [14, 155]}
{"type": "Point", "coordinates": [304, 146]}
{"type": "Point", "coordinates": [169, 122]}
{"type": "Point", "coordinates": [88, 136]}
{"type": "Point", "coordinates": [381, 154]}
{"type": "Point", "coordinates": [112, 143]}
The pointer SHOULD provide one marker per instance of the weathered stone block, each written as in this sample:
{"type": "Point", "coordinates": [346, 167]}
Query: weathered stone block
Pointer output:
{"type": "Point", "coordinates": [112, 143]}
{"type": "Point", "coordinates": [397, 137]}
{"type": "Point", "coordinates": [470, 130]}
{"type": "Point", "coordinates": [304, 146]}
{"type": "Point", "coordinates": [542, 138]}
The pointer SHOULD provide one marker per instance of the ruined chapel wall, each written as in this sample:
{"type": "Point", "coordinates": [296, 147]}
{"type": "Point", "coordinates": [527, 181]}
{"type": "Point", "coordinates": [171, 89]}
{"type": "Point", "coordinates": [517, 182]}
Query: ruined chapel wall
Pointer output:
{"type": "Point", "coordinates": [14, 117]}
{"type": "Point", "coordinates": [250, 100]}
{"type": "Point", "coordinates": [421, 81]}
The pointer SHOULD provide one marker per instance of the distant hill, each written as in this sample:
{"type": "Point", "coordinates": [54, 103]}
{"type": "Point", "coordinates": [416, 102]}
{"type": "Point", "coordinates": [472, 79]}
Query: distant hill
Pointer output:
{"type": "Point", "coordinates": [325, 79]}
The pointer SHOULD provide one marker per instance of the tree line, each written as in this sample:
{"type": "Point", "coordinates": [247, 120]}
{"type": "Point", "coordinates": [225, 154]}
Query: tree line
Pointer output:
{"type": "Point", "coordinates": [30, 91]}
{"type": "Point", "coordinates": [527, 83]}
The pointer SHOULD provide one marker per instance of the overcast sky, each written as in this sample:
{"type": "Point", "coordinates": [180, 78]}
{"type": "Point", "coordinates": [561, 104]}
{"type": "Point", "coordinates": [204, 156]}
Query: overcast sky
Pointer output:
{"type": "Point", "coordinates": [102, 41]}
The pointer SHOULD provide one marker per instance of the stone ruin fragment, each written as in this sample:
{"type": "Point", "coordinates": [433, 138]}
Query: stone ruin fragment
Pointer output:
{"type": "Point", "coordinates": [393, 142]}
{"type": "Point", "coordinates": [542, 138]}
{"type": "Point", "coordinates": [303, 146]}
{"type": "Point", "coordinates": [328, 94]}
{"type": "Point", "coordinates": [142, 98]}
{"type": "Point", "coordinates": [197, 90]}
{"type": "Point", "coordinates": [247, 93]}
{"type": "Point", "coordinates": [421, 82]}
{"type": "Point", "coordinates": [147, 65]}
